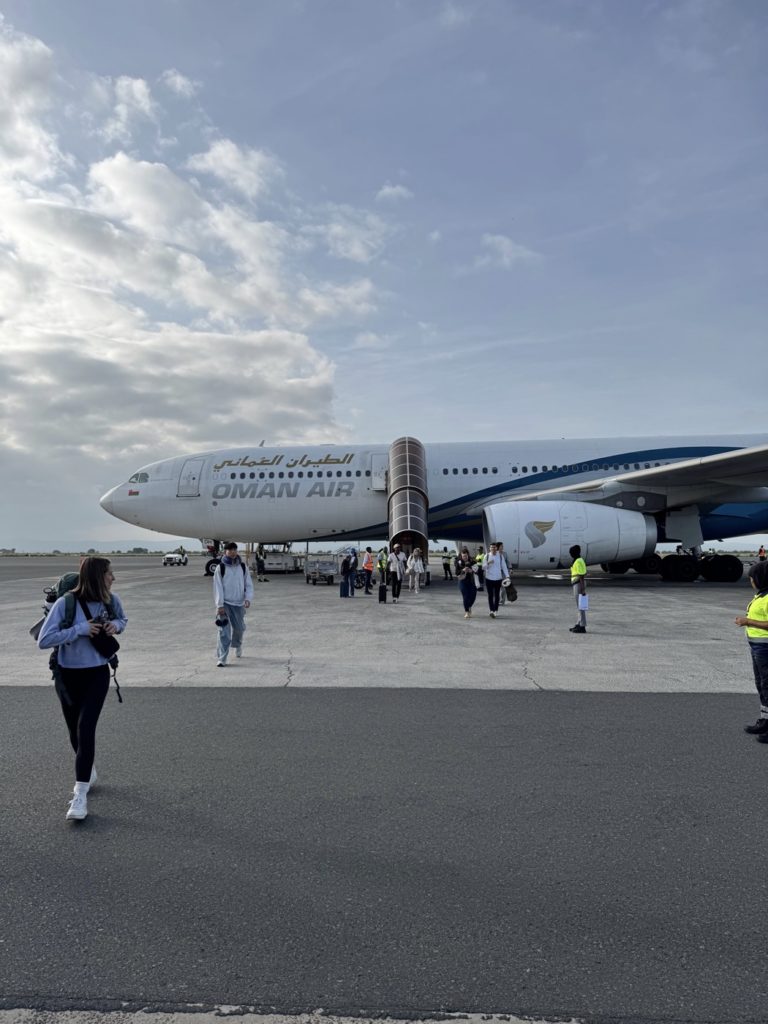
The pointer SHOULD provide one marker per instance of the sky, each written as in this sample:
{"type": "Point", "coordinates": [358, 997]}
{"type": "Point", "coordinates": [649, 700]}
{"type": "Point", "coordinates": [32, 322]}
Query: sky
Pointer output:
{"type": "Point", "coordinates": [316, 220]}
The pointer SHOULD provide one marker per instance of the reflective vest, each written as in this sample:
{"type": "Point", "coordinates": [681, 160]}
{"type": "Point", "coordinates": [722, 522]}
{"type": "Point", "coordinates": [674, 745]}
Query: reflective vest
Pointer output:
{"type": "Point", "coordinates": [579, 568]}
{"type": "Point", "coordinates": [368, 561]}
{"type": "Point", "coordinates": [758, 609]}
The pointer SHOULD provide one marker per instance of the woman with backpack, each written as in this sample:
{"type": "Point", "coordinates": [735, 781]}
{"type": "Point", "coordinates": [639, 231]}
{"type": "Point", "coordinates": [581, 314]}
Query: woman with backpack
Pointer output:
{"type": "Point", "coordinates": [83, 672]}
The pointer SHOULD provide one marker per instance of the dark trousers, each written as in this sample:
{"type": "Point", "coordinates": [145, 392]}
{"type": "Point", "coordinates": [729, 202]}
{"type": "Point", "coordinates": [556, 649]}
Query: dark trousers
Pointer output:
{"type": "Point", "coordinates": [759, 652]}
{"type": "Point", "coordinates": [447, 570]}
{"type": "Point", "coordinates": [468, 592]}
{"type": "Point", "coordinates": [397, 585]}
{"type": "Point", "coordinates": [368, 578]}
{"type": "Point", "coordinates": [82, 694]}
{"type": "Point", "coordinates": [493, 588]}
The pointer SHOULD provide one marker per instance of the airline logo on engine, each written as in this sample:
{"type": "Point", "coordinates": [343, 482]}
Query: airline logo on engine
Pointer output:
{"type": "Point", "coordinates": [536, 531]}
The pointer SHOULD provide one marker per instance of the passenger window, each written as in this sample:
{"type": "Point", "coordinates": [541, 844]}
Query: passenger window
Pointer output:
{"type": "Point", "coordinates": [534, 469]}
{"type": "Point", "coordinates": [261, 476]}
{"type": "Point", "coordinates": [485, 469]}
{"type": "Point", "coordinates": [455, 472]}
{"type": "Point", "coordinates": [252, 476]}
{"type": "Point", "coordinates": [445, 472]}
{"type": "Point", "coordinates": [494, 469]}
{"type": "Point", "coordinates": [465, 471]}
{"type": "Point", "coordinates": [525, 469]}
{"type": "Point", "coordinates": [514, 469]}
{"type": "Point", "coordinates": [626, 465]}
{"type": "Point", "coordinates": [543, 469]}
{"type": "Point", "coordinates": [637, 465]}
{"type": "Point", "coordinates": [233, 476]}
{"type": "Point", "coordinates": [338, 472]}
{"type": "Point", "coordinates": [290, 476]}
{"type": "Point", "coordinates": [475, 471]}
{"type": "Point", "coordinates": [300, 475]}
{"type": "Point", "coordinates": [349, 472]}
{"type": "Point", "coordinates": [647, 465]}
{"type": "Point", "coordinates": [358, 473]}
{"type": "Point", "coordinates": [309, 474]}
{"type": "Point", "coordinates": [271, 476]}
{"type": "Point", "coordinates": [368, 472]}
{"type": "Point", "coordinates": [281, 475]}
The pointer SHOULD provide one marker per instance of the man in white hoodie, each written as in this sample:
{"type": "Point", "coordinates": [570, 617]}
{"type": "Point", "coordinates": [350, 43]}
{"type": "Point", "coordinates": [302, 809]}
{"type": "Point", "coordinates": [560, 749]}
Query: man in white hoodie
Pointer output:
{"type": "Point", "coordinates": [232, 594]}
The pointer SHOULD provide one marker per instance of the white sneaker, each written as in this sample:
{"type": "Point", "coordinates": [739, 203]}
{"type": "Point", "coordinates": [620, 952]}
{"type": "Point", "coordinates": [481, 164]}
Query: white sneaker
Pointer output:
{"type": "Point", "coordinates": [78, 807]}
{"type": "Point", "coordinates": [238, 652]}
{"type": "Point", "coordinates": [94, 777]}
{"type": "Point", "coordinates": [221, 663]}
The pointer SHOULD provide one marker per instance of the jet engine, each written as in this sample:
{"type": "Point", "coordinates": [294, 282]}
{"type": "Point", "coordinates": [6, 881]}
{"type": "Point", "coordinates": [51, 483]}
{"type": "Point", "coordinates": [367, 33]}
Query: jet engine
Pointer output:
{"type": "Point", "coordinates": [538, 534]}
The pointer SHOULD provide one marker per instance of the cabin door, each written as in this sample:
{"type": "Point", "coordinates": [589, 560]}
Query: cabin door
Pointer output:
{"type": "Point", "coordinates": [189, 478]}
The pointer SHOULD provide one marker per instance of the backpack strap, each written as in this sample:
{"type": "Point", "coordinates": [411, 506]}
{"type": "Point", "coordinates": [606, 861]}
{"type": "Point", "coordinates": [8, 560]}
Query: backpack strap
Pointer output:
{"type": "Point", "coordinates": [70, 610]}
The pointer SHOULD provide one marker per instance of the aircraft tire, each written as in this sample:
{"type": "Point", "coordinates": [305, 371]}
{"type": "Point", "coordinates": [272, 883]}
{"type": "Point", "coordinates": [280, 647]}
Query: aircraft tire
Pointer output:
{"type": "Point", "coordinates": [619, 568]}
{"type": "Point", "coordinates": [210, 566]}
{"type": "Point", "coordinates": [649, 566]}
{"type": "Point", "coordinates": [679, 569]}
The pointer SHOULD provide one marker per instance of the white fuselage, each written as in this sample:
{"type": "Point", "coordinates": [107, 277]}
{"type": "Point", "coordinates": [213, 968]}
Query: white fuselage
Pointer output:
{"type": "Point", "coordinates": [320, 492]}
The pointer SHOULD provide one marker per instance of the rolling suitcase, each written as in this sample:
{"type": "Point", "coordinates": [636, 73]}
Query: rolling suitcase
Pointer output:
{"type": "Point", "coordinates": [382, 593]}
{"type": "Point", "coordinates": [343, 589]}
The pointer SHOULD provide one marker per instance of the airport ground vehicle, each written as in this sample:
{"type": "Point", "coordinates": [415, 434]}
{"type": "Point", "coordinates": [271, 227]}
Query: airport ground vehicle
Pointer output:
{"type": "Point", "coordinates": [320, 570]}
{"type": "Point", "coordinates": [174, 558]}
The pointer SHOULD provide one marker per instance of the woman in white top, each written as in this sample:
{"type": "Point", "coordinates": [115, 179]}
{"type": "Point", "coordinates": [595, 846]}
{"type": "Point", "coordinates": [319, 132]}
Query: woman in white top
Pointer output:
{"type": "Point", "coordinates": [396, 566]}
{"type": "Point", "coordinates": [495, 566]}
{"type": "Point", "coordinates": [415, 569]}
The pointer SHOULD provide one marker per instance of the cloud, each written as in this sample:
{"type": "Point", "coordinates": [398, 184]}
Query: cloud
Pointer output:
{"type": "Point", "coordinates": [144, 308]}
{"type": "Point", "coordinates": [502, 252]}
{"type": "Point", "coordinates": [27, 82]}
{"type": "Point", "coordinates": [247, 171]}
{"type": "Point", "coordinates": [179, 84]}
{"type": "Point", "coordinates": [134, 105]}
{"type": "Point", "coordinates": [393, 193]}
{"type": "Point", "coordinates": [352, 234]}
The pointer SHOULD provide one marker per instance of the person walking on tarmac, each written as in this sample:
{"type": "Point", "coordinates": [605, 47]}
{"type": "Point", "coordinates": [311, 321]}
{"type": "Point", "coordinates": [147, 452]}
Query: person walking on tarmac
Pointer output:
{"type": "Point", "coordinates": [415, 567]}
{"type": "Point", "coordinates": [396, 565]}
{"type": "Point", "coordinates": [261, 575]}
{"type": "Point", "coordinates": [496, 570]}
{"type": "Point", "coordinates": [82, 673]}
{"type": "Point", "coordinates": [579, 587]}
{"type": "Point", "coordinates": [368, 569]}
{"type": "Point", "coordinates": [232, 595]}
{"type": "Point", "coordinates": [447, 573]}
{"type": "Point", "coordinates": [761, 553]}
{"type": "Point", "coordinates": [755, 624]}
{"type": "Point", "coordinates": [465, 573]}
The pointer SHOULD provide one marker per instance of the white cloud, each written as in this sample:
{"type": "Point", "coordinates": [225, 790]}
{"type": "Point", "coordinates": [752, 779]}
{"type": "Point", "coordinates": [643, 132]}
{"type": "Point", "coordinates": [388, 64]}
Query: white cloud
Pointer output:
{"type": "Point", "coordinates": [352, 234]}
{"type": "Point", "coordinates": [393, 193]}
{"type": "Point", "coordinates": [134, 105]}
{"type": "Point", "coordinates": [502, 252]}
{"type": "Point", "coordinates": [179, 84]}
{"type": "Point", "coordinates": [245, 170]}
{"type": "Point", "coordinates": [27, 83]}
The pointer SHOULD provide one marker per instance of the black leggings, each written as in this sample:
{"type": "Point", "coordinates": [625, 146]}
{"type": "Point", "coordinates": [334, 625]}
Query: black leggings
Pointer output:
{"type": "Point", "coordinates": [397, 586]}
{"type": "Point", "coordinates": [493, 589]}
{"type": "Point", "coordinates": [86, 689]}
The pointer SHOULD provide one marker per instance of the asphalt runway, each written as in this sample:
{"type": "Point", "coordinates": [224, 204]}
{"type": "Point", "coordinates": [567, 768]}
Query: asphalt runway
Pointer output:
{"type": "Point", "coordinates": [588, 846]}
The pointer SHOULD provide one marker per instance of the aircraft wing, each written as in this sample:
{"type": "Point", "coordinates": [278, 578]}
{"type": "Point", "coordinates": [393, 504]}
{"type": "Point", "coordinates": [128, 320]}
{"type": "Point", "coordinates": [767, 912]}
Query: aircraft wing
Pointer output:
{"type": "Point", "coordinates": [730, 474]}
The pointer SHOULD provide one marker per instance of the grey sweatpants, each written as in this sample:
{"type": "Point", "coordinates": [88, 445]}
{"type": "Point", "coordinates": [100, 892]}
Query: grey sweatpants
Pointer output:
{"type": "Point", "coordinates": [582, 614]}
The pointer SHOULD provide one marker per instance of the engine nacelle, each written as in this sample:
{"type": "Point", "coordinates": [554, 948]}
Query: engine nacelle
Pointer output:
{"type": "Point", "coordinates": [538, 534]}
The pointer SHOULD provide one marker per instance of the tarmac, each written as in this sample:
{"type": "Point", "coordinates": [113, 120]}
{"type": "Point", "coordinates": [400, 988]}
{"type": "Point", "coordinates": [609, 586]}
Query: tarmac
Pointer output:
{"type": "Point", "coordinates": [389, 811]}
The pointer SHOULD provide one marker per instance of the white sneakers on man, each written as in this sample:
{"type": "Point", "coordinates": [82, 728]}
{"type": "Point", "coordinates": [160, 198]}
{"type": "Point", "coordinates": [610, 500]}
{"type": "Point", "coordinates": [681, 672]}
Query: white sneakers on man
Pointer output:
{"type": "Point", "coordinates": [78, 807]}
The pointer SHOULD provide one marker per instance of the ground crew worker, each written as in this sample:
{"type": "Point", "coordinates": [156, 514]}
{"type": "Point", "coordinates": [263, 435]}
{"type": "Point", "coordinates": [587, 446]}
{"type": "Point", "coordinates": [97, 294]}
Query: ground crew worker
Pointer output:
{"type": "Point", "coordinates": [368, 569]}
{"type": "Point", "coordinates": [579, 587]}
{"type": "Point", "coordinates": [383, 562]}
{"type": "Point", "coordinates": [479, 557]}
{"type": "Point", "coordinates": [756, 630]}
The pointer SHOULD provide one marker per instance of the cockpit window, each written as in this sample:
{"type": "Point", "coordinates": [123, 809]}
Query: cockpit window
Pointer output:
{"type": "Point", "coordinates": [139, 478]}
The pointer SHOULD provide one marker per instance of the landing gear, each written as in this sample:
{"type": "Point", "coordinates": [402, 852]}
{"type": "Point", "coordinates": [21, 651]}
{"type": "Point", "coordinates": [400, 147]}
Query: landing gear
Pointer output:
{"type": "Point", "coordinates": [210, 566]}
{"type": "Point", "coordinates": [721, 568]}
{"type": "Point", "coordinates": [679, 569]}
{"type": "Point", "coordinates": [648, 566]}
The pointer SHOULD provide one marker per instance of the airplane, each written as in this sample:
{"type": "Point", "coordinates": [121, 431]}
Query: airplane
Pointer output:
{"type": "Point", "coordinates": [617, 498]}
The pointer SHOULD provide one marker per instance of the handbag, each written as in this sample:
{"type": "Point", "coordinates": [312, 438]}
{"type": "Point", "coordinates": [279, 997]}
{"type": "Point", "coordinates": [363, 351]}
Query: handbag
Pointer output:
{"type": "Point", "coordinates": [583, 602]}
{"type": "Point", "coordinates": [106, 644]}
{"type": "Point", "coordinates": [509, 589]}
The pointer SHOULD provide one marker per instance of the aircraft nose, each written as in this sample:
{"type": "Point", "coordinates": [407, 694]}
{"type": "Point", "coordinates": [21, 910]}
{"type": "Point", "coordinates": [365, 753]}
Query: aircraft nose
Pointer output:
{"type": "Point", "coordinates": [107, 502]}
